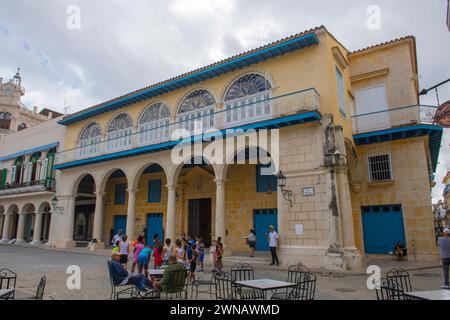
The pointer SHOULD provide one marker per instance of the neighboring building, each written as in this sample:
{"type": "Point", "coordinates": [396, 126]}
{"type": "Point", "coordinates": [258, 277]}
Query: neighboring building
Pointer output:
{"type": "Point", "coordinates": [14, 116]}
{"type": "Point", "coordinates": [27, 182]}
{"type": "Point", "coordinates": [446, 194]}
{"type": "Point", "coordinates": [355, 146]}
{"type": "Point", "coordinates": [448, 14]}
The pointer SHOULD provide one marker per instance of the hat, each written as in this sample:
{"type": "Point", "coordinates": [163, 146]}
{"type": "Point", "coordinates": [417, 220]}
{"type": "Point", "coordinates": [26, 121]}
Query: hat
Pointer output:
{"type": "Point", "coordinates": [446, 230]}
{"type": "Point", "coordinates": [271, 227]}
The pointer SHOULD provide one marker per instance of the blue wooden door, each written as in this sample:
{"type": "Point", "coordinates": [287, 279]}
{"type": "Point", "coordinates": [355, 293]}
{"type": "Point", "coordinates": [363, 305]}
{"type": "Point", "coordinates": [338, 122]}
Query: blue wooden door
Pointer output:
{"type": "Point", "coordinates": [120, 222]}
{"type": "Point", "coordinates": [383, 228]}
{"type": "Point", "coordinates": [155, 226]}
{"type": "Point", "coordinates": [262, 219]}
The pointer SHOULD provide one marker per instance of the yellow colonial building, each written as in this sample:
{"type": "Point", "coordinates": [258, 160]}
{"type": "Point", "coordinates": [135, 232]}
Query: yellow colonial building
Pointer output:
{"type": "Point", "coordinates": [345, 129]}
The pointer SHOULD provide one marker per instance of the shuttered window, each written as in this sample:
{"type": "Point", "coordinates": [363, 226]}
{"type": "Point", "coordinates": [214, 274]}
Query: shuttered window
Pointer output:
{"type": "Point", "coordinates": [341, 92]}
{"type": "Point", "coordinates": [3, 175]}
{"type": "Point", "coordinates": [120, 193]}
{"type": "Point", "coordinates": [154, 191]}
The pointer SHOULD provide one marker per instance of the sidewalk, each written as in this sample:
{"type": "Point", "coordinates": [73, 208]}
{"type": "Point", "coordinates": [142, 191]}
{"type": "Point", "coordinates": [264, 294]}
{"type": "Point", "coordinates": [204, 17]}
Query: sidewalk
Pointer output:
{"type": "Point", "coordinates": [262, 261]}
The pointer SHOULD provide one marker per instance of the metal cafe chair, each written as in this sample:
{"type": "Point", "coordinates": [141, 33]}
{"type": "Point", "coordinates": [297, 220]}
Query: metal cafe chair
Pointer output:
{"type": "Point", "coordinates": [119, 290]}
{"type": "Point", "coordinates": [41, 288]}
{"type": "Point", "coordinates": [400, 279]}
{"type": "Point", "coordinates": [304, 290]}
{"type": "Point", "coordinates": [202, 283]}
{"type": "Point", "coordinates": [388, 290]}
{"type": "Point", "coordinates": [244, 272]}
{"type": "Point", "coordinates": [8, 280]}
{"type": "Point", "coordinates": [295, 272]}
{"type": "Point", "coordinates": [177, 285]}
{"type": "Point", "coordinates": [224, 287]}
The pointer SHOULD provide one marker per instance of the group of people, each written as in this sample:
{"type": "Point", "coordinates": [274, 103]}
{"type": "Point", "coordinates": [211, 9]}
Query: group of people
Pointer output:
{"type": "Point", "coordinates": [272, 239]}
{"type": "Point", "coordinates": [187, 251]}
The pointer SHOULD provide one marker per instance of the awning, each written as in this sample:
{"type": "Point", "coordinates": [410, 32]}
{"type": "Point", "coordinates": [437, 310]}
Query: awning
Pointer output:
{"type": "Point", "coordinates": [29, 151]}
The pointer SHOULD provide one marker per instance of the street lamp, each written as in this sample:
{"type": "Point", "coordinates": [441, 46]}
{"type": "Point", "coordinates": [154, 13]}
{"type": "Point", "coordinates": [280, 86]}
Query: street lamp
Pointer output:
{"type": "Point", "coordinates": [287, 194]}
{"type": "Point", "coordinates": [54, 201]}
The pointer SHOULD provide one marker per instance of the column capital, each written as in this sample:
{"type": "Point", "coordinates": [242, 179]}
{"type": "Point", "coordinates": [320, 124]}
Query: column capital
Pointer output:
{"type": "Point", "coordinates": [171, 186]}
{"type": "Point", "coordinates": [41, 212]}
{"type": "Point", "coordinates": [132, 190]}
{"type": "Point", "coordinates": [100, 194]}
{"type": "Point", "coordinates": [220, 181]}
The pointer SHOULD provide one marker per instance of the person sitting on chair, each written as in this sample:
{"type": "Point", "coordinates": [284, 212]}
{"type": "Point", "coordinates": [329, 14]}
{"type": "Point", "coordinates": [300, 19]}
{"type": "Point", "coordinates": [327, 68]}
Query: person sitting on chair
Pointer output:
{"type": "Point", "coordinates": [174, 265]}
{"type": "Point", "coordinates": [399, 251]}
{"type": "Point", "coordinates": [122, 277]}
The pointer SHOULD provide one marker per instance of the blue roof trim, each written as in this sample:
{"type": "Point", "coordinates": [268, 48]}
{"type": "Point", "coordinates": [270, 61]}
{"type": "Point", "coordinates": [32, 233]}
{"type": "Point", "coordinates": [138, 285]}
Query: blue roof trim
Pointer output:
{"type": "Point", "coordinates": [432, 131]}
{"type": "Point", "coordinates": [268, 124]}
{"type": "Point", "coordinates": [214, 71]}
{"type": "Point", "coordinates": [29, 151]}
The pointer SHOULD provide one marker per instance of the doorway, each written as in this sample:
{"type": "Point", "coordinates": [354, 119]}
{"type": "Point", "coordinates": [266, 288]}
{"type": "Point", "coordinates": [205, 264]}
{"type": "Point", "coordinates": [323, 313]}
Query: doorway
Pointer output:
{"type": "Point", "coordinates": [200, 219]}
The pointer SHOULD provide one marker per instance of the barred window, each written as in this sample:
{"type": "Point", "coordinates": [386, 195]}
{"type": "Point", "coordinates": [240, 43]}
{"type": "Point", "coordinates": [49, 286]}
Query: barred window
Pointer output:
{"type": "Point", "coordinates": [379, 168]}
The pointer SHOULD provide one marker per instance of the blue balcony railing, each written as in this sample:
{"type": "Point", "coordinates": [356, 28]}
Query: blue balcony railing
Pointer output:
{"type": "Point", "coordinates": [228, 116]}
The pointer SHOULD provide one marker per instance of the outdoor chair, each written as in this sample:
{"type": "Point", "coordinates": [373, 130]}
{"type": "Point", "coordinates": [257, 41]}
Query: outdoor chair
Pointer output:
{"type": "Point", "coordinates": [244, 272]}
{"type": "Point", "coordinates": [202, 283]}
{"type": "Point", "coordinates": [8, 280]}
{"type": "Point", "coordinates": [304, 290]}
{"type": "Point", "coordinates": [118, 291]}
{"type": "Point", "coordinates": [177, 285]}
{"type": "Point", "coordinates": [224, 286]}
{"type": "Point", "coordinates": [41, 288]}
{"type": "Point", "coordinates": [295, 272]}
{"type": "Point", "coordinates": [399, 279]}
{"type": "Point", "coordinates": [388, 290]}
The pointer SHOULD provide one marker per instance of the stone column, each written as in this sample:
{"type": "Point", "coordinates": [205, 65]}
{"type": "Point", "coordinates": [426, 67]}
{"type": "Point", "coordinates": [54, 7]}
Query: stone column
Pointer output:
{"type": "Point", "coordinates": [20, 228]}
{"type": "Point", "coordinates": [171, 212]}
{"type": "Point", "coordinates": [131, 214]}
{"type": "Point", "coordinates": [6, 227]}
{"type": "Point", "coordinates": [220, 209]}
{"type": "Point", "coordinates": [37, 228]}
{"type": "Point", "coordinates": [70, 221]}
{"type": "Point", "coordinates": [98, 220]}
{"type": "Point", "coordinates": [351, 253]}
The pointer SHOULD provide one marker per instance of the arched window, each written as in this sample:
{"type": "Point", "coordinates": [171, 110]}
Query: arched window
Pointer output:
{"type": "Point", "coordinates": [154, 124]}
{"type": "Point", "coordinates": [21, 126]}
{"type": "Point", "coordinates": [196, 111]}
{"type": "Point", "coordinates": [90, 139]}
{"type": "Point", "coordinates": [248, 99]}
{"type": "Point", "coordinates": [5, 120]}
{"type": "Point", "coordinates": [119, 132]}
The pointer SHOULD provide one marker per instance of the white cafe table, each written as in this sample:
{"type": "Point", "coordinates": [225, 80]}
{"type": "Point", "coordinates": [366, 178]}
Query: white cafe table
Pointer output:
{"type": "Point", "coordinates": [430, 295]}
{"type": "Point", "coordinates": [265, 285]}
{"type": "Point", "coordinates": [5, 293]}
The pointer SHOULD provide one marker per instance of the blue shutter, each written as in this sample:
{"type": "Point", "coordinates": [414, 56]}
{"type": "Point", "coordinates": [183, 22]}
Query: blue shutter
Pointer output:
{"type": "Point", "coordinates": [119, 194]}
{"type": "Point", "coordinates": [154, 191]}
{"type": "Point", "coordinates": [264, 181]}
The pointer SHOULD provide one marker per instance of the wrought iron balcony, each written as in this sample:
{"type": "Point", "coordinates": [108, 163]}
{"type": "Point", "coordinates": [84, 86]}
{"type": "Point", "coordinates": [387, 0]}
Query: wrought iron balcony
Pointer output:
{"type": "Point", "coordinates": [27, 187]}
{"type": "Point", "coordinates": [231, 115]}
{"type": "Point", "coordinates": [393, 118]}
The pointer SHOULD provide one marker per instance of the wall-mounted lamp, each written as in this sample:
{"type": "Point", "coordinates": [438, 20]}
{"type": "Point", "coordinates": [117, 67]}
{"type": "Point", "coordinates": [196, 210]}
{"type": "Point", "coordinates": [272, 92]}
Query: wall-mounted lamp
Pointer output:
{"type": "Point", "coordinates": [177, 196]}
{"type": "Point", "coordinates": [287, 194]}
{"type": "Point", "coordinates": [54, 201]}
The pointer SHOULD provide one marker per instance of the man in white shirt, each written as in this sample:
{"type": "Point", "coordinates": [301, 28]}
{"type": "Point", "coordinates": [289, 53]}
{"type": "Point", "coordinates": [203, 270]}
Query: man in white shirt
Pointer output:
{"type": "Point", "coordinates": [273, 244]}
{"type": "Point", "coordinates": [117, 237]}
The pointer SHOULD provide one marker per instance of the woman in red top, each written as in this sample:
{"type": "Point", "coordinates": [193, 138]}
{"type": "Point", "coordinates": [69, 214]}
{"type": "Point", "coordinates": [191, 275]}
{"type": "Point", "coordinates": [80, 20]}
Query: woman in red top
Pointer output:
{"type": "Point", "coordinates": [158, 255]}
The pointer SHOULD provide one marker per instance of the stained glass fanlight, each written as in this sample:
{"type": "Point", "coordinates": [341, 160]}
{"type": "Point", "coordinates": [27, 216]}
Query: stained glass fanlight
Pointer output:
{"type": "Point", "coordinates": [247, 85]}
{"type": "Point", "coordinates": [155, 112]}
{"type": "Point", "coordinates": [120, 122]}
{"type": "Point", "coordinates": [196, 100]}
{"type": "Point", "coordinates": [92, 130]}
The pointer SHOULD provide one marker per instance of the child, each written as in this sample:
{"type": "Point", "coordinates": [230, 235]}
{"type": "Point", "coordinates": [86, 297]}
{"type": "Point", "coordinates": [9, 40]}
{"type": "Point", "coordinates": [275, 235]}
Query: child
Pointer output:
{"type": "Point", "coordinates": [193, 262]}
{"type": "Point", "coordinates": [219, 255]}
{"type": "Point", "coordinates": [201, 252]}
{"type": "Point", "coordinates": [158, 255]}
{"type": "Point", "coordinates": [139, 245]}
{"type": "Point", "coordinates": [144, 259]}
{"type": "Point", "coordinates": [116, 246]}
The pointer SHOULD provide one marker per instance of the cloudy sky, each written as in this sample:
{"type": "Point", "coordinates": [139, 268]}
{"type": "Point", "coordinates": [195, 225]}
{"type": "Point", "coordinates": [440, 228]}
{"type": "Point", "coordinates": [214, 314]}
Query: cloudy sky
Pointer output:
{"type": "Point", "coordinates": [125, 45]}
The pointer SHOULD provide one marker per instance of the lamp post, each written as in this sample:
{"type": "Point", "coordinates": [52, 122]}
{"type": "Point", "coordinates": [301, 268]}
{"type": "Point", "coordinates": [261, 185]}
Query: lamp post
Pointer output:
{"type": "Point", "coordinates": [287, 194]}
{"type": "Point", "coordinates": [54, 201]}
